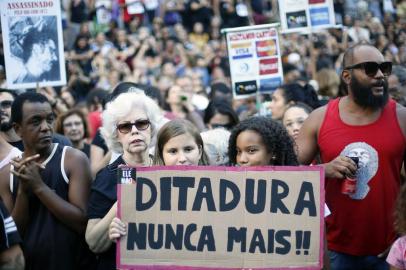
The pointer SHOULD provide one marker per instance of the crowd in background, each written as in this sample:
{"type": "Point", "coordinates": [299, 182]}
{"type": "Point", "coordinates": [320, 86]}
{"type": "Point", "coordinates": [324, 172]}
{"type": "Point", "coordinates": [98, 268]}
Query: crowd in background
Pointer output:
{"type": "Point", "coordinates": [168, 40]}
{"type": "Point", "coordinates": [173, 52]}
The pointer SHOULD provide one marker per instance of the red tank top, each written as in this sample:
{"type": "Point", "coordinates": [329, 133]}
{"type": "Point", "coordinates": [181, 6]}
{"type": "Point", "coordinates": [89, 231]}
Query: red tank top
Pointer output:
{"type": "Point", "coordinates": [363, 223]}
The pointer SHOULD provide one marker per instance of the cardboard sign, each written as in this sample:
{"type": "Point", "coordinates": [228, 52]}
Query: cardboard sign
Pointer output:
{"type": "Point", "coordinates": [32, 43]}
{"type": "Point", "coordinates": [255, 62]}
{"type": "Point", "coordinates": [221, 218]}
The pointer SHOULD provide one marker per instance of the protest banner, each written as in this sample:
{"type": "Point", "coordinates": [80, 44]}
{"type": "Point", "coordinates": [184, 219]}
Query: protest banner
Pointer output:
{"type": "Point", "coordinates": [306, 16]}
{"type": "Point", "coordinates": [255, 61]}
{"type": "Point", "coordinates": [134, 7]}
{"type": "Point", "coordinates": [221, 217]}
{"type": "Point", "coordinates": [32, 43]}
{"type": "Point", "coordinates": [103, 11]}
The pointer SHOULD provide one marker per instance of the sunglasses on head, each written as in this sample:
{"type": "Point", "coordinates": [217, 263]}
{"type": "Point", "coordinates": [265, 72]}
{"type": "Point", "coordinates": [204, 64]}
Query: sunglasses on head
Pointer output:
{"type": "Point", "coordinates": [128, 126]}
{"type": "Point", "coordinates": [371, 68]}
{"type": "Point", "coordinates": [6, 104]}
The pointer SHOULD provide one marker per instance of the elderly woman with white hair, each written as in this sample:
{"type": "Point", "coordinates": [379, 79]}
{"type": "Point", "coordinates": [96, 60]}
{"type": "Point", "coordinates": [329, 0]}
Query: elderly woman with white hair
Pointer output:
{"type": "Point", "coordinates": [216, 145]}
{"type": "Point", "coordinates": [129, 123]}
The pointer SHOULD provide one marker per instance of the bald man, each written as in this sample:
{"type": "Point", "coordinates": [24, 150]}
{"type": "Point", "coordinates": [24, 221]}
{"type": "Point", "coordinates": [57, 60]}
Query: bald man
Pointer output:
{"type": "Point", "coordinates": [365, 123]}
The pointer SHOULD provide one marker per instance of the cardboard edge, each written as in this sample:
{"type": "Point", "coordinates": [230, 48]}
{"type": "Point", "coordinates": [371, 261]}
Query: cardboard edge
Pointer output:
{"type": "Point", "coordinates": [118, 250]}
{"type": "Point", "coordinates": [322, 203]}
{"type": "Point", "coordinates": [228, 168]}
{"type": "Point", "coordinates": [172, 267]}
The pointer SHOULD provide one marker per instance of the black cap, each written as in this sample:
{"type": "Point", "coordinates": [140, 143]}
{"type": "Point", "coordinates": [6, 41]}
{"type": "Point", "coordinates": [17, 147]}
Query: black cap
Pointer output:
{"type": "Point", "coordinates": [124, 87]}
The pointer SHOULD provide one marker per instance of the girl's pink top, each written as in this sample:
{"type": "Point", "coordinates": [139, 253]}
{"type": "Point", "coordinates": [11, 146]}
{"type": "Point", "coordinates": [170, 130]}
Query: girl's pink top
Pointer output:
{"type": "Point", "coordinates": [397, 254]}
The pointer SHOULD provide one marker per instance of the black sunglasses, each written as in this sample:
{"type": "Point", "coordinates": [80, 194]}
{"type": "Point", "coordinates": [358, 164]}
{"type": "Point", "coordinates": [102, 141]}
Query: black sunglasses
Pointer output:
{"type": "Point", "coordinates": [128, 126]}
{"type": "Point", "coordinates": [225, 126]}
{"type": "Point", "coordinates": [371, 68]}
{"type": "Point", "coordinates": [6, 104]}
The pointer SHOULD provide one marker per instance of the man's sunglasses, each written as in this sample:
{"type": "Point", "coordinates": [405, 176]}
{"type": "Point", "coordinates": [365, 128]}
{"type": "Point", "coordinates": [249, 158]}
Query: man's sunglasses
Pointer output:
{"type": "Point", "coordinates": [128, 126]}
{"type": "Point", "coordinates": [371, 68]}
{"type": "Point", "coordinates": [6, 104]}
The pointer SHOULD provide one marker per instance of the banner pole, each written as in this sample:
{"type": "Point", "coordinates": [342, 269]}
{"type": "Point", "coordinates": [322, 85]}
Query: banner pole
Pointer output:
{"type": "Point", "coordinates": [258, 103]}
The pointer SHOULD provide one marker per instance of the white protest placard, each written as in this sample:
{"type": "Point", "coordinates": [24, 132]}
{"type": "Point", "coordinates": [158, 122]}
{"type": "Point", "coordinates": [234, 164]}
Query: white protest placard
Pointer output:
{"type": "Point", "coordinates": [224, 218]}
{"type": "Point", "coordinates": [306, 15]}
{"type": "Point", "coordinates": [255, 60]}
{"type": "Point", "coordinates": [32, 43]}
{"type": "Point", "coordinates": [134, 7]}
{"type": "Point", "coordinates": [151, 4]}
{"type": "Point", "coordinates": [103, 11]}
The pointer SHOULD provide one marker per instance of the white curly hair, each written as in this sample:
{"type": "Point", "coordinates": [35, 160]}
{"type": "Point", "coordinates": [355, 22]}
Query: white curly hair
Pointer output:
{"type": "Point", "coordinates": [122, 106]}
{"type": "Point", "coordinates": [216, 145]}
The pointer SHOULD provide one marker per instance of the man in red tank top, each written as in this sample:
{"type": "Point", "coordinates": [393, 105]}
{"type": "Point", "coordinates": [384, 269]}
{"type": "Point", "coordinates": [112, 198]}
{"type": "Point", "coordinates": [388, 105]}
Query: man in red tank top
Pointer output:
{"type": "Point", "coordinates": [368, 125]}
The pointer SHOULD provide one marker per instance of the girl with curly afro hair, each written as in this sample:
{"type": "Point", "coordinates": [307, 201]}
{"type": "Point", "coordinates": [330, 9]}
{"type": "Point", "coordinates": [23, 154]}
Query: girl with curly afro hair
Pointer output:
{"type": "Point", "coordinates": [260, 141]}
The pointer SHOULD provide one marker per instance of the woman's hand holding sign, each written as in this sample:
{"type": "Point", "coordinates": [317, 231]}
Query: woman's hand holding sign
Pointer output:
{"type": "Point", "coordinates": [117, 229]}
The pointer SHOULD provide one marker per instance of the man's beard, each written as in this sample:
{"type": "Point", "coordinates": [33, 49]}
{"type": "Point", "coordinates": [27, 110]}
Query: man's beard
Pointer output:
{"type": "Point", "coordinates": [5, 126]}
{"type": "Point", "coordinates": [364, 97]}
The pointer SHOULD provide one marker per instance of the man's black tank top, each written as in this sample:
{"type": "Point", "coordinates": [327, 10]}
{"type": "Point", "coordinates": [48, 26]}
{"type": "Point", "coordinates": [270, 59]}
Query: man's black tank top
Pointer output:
{"type": "Point", "coordinates": [47, 242]}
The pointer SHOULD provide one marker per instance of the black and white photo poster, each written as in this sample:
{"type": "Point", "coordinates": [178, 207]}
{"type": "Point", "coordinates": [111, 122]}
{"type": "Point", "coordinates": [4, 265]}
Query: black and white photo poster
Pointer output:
{"type": "Point", "coordinates": [33, 44]}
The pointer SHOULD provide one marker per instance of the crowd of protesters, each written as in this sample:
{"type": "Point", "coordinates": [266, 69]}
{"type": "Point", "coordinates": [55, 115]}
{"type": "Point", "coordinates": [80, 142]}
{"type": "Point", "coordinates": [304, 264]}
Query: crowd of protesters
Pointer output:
{"type": "Point", "coordinates": [149, 84]}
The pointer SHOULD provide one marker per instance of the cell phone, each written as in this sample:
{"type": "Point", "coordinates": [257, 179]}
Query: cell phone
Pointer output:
{"type": "Point", "coordinates": [183, 98]}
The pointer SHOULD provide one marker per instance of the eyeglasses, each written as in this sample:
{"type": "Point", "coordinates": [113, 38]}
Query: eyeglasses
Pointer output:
{"type": "Point", "coordinates": [6, 104]}
{"type": "Point", "coordinates": [128, 126]}
{"type": "Point", "coordinates": [371, 68]}
{"type": "Point", "coordinates": [72, 124]}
